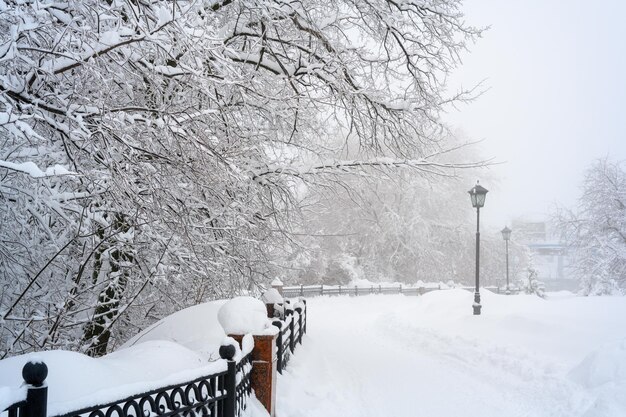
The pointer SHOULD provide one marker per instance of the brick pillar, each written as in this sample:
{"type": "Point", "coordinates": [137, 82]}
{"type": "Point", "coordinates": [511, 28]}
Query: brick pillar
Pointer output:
{"type": "Point", "coordinates": [277, 285]}
{"type": "Point", "coordinates": [263, 378]}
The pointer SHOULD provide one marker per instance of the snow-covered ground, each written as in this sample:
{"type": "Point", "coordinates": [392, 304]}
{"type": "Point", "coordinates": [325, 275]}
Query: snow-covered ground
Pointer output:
{"type": "Point", "coordinates": [405, 356]}
{"type": "Point", "coordinates": [381, 355]}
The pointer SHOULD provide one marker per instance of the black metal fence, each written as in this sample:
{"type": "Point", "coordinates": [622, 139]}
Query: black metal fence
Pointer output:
{"type": "Point", "coordinates": [221, 394]}
{"type": "Point", "coordinates": [291, 329]}
{"type": "Point", "coordinates": [317, 290]}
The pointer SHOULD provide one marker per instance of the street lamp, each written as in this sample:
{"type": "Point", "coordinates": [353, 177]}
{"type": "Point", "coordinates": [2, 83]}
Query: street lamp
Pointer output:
{"type": "Point", "coordinates": [477, 195]}
{"type": "Point", "coordinates": [506, 235]}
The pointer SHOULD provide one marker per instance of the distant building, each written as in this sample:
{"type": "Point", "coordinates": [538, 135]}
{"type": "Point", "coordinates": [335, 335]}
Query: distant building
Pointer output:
{"type": "Point", "coordinates": [549, 254]}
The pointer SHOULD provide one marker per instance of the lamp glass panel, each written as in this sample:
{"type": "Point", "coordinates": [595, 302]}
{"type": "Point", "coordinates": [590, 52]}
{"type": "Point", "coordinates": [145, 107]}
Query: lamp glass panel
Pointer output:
{"type": "Point", "coordinates": [473, 197]}
{"type": "Point", "coordinates": [480, 200]}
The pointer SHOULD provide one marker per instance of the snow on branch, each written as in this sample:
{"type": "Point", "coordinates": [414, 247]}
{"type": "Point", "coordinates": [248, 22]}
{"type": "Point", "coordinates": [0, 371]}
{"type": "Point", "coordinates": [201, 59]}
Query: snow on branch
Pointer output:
{"type": "Point", "coordinates": [348, 166]}
{"type": "Point", "coordinates": [30, 168]}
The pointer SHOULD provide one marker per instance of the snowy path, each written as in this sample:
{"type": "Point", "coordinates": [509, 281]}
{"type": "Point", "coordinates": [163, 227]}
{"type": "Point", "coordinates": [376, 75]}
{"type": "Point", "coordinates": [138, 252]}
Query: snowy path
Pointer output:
{"type": "Point", "coordinates": [427, 356]}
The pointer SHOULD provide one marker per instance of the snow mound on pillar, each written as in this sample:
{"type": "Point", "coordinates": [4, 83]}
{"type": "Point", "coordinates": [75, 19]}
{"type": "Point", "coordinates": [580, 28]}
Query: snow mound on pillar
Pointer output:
{"type": "Point", "coordinates": [272, 296]}
{"type": "Point", "coordinates": [243, 315]}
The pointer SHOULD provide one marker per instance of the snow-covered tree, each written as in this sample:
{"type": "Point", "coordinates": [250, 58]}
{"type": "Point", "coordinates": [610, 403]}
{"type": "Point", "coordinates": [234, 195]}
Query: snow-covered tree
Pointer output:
{"type": "Point", "coordinates": [152, 150]}
{"type": "Point", "coordinates": [405, 227]}
{"type": "Point", "coordinates": [596, 229]}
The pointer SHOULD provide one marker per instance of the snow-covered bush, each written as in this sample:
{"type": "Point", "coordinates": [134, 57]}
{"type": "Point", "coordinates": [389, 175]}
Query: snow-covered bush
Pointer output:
{"type": "Point", "coordinates": [531, 285]}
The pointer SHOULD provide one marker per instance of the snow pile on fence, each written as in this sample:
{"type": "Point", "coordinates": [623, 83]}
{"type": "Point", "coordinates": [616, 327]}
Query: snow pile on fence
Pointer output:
{"type": "Point", "coordinates": [243, 315]}
{"type": "Point", "coordinates": [10, 396]}
{"type": "Point", "coordinates": [272, 296]}
{"type": "Point", "coordinates": [174, 350]}
{"type": "Point", "coordinates": [196, 328]}
{"type": "Point", "coordinates": [76, 380]}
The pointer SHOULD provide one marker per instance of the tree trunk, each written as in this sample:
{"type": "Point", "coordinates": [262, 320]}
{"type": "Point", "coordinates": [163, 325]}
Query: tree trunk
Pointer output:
{"type": "Point", "coordinates": [98, 331]}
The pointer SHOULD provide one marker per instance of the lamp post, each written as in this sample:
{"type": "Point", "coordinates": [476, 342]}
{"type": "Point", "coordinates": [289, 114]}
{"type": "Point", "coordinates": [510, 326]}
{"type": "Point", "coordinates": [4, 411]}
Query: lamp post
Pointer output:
{"type": "Point", "coordinates": [477, 195]}
{"type": "Point", "coordinates": [506, 235]}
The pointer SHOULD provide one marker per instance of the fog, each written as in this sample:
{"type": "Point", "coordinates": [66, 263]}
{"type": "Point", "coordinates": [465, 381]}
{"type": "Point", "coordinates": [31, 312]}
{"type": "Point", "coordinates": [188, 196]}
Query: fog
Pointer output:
{"type": "Point", "coordinates": [554, 78]}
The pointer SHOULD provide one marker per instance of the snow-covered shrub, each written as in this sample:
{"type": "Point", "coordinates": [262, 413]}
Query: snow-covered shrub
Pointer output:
{"type": "Point", "coordinates": [531, 285]}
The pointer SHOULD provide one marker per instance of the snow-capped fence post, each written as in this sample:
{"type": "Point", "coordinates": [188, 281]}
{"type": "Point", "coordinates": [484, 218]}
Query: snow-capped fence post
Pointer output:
{"type": "Point", "coordinates": [274, 303]}
{"type": "Point", "coordinates": [301, 290]}
{"type": "Point", "coordinates": [299, 310]}
{"type": "Point", "coordinates": [356, 290]}
{"type": "Point", "coordinates": [227, 352]}
{"type": "Point", "coordinates": [277, 285]}
{"type": "Point", "coordinates": [264, 367]}
{"type": "Point", "coordinates": [243, 318]}
{"type": "Point", "coordinates": [291, 336]}
{"type": "Point", "coordinates": [279, 346]}
{"type": "Point", "coordinates": [400, 289]}
{"type": "Point", "coordinates": [305, 315]}
{"type": "Point", "coordinates": [288, 308]}
{"type": "Point", "coordinates": [34, 374]}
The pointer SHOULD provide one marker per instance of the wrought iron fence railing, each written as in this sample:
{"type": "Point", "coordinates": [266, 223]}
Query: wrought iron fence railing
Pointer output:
{"type": "Point", "coordinates": [17, 409]}
{"type": "Point", "coordinates": [290, 332]}
{"type": "Point", "coordinates": [317, 290]}
{"type": "Point", "coordinates": [219, 394]}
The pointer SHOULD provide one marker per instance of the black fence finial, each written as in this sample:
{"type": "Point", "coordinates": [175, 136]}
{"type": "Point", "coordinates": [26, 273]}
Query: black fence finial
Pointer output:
{"type": "Point", "coordinates": [34, 374]}
{"type": "Point", "coordinates": [227, 352]}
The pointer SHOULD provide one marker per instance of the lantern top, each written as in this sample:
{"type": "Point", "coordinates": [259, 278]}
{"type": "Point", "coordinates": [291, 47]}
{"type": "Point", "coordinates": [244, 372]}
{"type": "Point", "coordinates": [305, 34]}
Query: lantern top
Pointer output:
{"type": "Point", "coordinates": [506, 233]}
{"type": "Point", "coordinates": [478, 194]}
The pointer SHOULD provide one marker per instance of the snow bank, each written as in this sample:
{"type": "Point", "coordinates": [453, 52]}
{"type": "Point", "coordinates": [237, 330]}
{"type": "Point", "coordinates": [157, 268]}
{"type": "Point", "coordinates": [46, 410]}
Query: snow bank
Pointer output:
{"type": "Point", "coordinates": [603, 372]}
{"type": "Point", "coordinates": [196, 328]}
{"type": "Point", "coordinates": [243, 315]}
{"type": "Point", "coordinates": [76, 380]}
{"type": "Point", "coordinates": [602, 366]}
{"type": "Point", "coordinates": [559, 294]}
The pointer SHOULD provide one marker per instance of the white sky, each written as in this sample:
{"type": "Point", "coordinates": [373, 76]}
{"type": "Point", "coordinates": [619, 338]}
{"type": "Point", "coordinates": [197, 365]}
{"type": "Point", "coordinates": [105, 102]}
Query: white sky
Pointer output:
{"type": "Point", "coordinates": [556, 70]}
